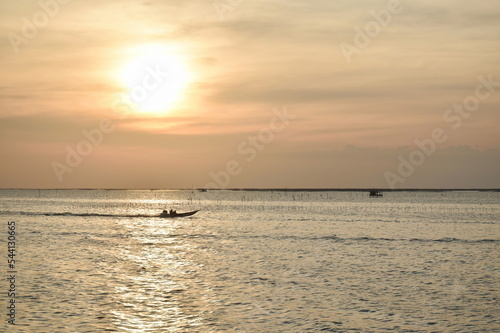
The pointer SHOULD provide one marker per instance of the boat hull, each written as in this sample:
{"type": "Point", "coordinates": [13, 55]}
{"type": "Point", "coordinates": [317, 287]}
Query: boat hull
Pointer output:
{"type": "Point", "coordinates": [163, 215]}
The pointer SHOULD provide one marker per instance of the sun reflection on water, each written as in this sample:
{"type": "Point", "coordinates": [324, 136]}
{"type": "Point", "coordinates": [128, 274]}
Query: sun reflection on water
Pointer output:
{"type": "Point", "coordinates": [151, 293]}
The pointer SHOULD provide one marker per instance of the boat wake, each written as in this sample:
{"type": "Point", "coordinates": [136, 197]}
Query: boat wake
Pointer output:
{"type": "Point", "coordinates": [164, 214]}
{"type": "Point", "coordinates": [77, 214]}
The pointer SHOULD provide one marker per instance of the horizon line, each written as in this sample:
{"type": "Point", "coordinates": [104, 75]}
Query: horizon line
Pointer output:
{"type": "Point", "coordinates": [284, 189]}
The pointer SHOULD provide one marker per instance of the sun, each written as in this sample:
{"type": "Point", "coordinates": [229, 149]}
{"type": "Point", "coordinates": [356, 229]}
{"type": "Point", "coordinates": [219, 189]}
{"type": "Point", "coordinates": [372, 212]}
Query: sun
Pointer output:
{"type": "Point", "coordinates": [154, 78]}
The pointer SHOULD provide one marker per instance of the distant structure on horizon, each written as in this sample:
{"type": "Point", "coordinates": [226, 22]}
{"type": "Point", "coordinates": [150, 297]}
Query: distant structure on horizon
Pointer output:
{"type": "Point", "coordinates": [376, 194]}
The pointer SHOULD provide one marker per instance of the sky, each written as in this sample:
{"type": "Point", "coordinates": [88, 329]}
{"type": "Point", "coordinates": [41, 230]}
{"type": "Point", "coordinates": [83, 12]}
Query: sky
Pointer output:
{"type": "Point", "coordinates": [250, 94]}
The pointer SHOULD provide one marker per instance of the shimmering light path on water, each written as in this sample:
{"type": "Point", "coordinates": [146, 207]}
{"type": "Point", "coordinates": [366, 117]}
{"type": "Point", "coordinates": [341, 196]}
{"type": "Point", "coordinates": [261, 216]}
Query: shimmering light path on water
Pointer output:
{"type": "Point", "coordinates": [94, 261]}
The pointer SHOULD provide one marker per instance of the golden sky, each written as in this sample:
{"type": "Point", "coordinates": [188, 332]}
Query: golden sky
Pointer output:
{"type": "Point", "coordinates": [246, 93]}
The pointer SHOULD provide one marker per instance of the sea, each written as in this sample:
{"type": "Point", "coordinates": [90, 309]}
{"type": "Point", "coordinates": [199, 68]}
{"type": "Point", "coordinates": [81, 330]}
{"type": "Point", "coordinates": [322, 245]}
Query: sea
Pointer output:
{"type": "Point", "coordinates": [249, 261]}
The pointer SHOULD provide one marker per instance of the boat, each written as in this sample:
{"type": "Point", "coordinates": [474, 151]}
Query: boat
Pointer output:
{"type": "Point", "coordinates": [167, 214]}
{"type": "Point", "coordinates": [376, 194]}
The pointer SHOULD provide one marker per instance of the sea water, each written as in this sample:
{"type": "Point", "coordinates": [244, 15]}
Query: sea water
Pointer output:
{"type": "Point", "coordinates": [251, 261]}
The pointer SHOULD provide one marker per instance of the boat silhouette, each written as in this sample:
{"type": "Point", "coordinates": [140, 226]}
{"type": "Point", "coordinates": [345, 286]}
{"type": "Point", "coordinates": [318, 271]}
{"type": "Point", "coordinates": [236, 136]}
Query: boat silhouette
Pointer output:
{"type": "Point", "coordinates": [166, 214]}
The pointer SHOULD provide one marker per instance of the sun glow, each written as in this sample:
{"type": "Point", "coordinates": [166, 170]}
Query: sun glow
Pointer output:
{"type": "Point", "coordinates": [155, 78]}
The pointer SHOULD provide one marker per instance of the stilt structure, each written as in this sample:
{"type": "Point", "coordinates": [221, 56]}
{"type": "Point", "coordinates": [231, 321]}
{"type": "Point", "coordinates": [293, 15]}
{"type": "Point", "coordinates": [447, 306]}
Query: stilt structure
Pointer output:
{"type": "Point", "coordinates": [376, 194]}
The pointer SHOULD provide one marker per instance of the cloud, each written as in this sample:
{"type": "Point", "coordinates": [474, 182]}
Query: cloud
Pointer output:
{"type": "Point", "coordinates": [352, 167]}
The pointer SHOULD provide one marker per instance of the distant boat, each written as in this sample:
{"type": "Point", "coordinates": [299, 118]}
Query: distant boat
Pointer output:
{"type": "Point", "coordinates": [166, 214]}
{"type": "Point", "coordinates": [376, 194]}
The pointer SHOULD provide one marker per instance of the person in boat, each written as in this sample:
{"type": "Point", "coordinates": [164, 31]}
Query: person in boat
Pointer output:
{"type": "Point", "coordinates": [172, 212]}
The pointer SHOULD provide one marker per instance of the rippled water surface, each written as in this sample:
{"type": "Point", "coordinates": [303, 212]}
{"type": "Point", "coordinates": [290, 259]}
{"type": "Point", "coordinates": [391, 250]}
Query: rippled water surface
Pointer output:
{"type": "Point", "coordinates": [250, 261]}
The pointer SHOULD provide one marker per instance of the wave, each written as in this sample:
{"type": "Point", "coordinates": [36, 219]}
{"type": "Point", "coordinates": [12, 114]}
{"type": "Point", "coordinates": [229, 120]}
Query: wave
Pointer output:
{"type": "Point", "coordinates": [341, 239]}
{"type": "Point", "coordinates": [332, 238]}
{"type": "Point", "coordinates": [445, 239]}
